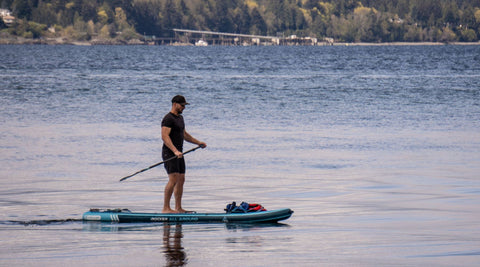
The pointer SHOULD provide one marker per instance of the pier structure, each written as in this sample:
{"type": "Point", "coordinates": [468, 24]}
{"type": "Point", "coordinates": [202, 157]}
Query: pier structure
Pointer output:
{"type": "Point", "coordinates": [196, 37]}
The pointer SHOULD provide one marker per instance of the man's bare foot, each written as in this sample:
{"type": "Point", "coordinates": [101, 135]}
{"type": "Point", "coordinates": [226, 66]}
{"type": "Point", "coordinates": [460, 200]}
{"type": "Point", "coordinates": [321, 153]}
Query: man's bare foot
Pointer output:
{"type": "Point", "coordinates": [184, 211]}
{"type": "Point", "coordinates": [177, 211]}
{"type": "Point", "coordinates": [169, 211]}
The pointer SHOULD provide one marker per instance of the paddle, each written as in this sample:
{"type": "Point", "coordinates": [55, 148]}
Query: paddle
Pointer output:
{"type": "Point", "coordinates": [155, 165]}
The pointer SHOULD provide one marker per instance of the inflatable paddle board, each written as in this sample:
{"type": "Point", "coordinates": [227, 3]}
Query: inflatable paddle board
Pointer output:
{"type": "Point", "coordinates": [127, 216]}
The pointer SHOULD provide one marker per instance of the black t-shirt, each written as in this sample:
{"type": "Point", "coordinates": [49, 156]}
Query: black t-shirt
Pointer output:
{"type": "Point", "coordinates": [177, 126]}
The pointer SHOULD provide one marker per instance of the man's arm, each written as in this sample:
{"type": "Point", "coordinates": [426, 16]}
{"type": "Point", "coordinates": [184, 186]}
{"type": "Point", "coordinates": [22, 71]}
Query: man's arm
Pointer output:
{"type": "Point", "coordinates": [192, 140]}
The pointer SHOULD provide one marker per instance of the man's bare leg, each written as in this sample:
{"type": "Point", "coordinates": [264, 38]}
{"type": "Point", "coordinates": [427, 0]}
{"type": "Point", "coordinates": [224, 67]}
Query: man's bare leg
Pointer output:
{"type": "Point", "coordinates": [169, 188]}
{"type": "Point", "coordinates": [174, 186]}
{"type": "Point", "coordinates": [178, 193]}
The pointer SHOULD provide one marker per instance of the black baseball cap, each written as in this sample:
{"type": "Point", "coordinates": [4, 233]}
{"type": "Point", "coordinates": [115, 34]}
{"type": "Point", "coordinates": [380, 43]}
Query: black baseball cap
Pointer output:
{"type": "Point", "coordinates": [180, 99]}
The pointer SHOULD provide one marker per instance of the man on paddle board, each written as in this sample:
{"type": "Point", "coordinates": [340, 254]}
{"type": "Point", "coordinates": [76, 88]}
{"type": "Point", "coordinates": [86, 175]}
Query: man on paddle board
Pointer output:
{"type": "Point", "coordinates": [173, 135]}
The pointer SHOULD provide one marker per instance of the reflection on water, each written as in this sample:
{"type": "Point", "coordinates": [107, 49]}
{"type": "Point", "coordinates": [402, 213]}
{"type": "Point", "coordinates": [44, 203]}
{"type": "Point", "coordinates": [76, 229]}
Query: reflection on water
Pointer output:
{"type": "Point", "coordinates": [93, 226]}
{"type": "Point", "coordinates": [172, 245]}
{"type": "Point", "coordinates": [172, 248]}
{"type": "Point", "coordinates": [227, 236]}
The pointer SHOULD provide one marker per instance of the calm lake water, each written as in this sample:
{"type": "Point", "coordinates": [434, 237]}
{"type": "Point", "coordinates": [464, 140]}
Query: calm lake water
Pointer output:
{"type": "Point", "coordinates": [376, 149]}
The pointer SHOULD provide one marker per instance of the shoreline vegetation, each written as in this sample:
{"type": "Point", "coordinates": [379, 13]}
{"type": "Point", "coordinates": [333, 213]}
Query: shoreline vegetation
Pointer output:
{"type": "Point", "coordinates": [15, 40]}
{"type": "Point", "coordinates": [240, 23]}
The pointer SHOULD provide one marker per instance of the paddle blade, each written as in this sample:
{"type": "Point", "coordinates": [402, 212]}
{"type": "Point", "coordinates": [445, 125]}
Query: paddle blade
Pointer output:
{"type": "Point", "coordinates": [126, 177]}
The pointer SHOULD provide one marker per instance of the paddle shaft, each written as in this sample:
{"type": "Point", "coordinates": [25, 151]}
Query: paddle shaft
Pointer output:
{"type": "Point", "coordinates": [160, 163]}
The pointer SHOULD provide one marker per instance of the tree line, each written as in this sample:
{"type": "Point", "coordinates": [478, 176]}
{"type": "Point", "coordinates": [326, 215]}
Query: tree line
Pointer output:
{"type": "Point", "coordinates": [343, 20]}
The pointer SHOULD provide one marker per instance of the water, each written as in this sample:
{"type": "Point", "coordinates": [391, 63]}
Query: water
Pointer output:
{"type": "Point", "coordinates": [376, 149]}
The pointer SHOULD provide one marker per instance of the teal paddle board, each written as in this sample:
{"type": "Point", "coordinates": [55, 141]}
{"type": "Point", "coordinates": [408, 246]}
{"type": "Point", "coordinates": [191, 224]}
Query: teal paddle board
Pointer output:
{"type": "Point", "coordinates": [126, 216]}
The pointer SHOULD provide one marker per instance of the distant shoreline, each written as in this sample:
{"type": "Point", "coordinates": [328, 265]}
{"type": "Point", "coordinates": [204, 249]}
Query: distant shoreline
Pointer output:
{"type": "Point", "coordinates": [63, 41]}
{"type": "Point", "coordinates": [406, 44]}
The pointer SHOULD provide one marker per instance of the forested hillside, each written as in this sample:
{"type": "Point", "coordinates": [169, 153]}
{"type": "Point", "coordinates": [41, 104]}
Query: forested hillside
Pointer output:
{"type": "Point", "coordinates": [343, 20]}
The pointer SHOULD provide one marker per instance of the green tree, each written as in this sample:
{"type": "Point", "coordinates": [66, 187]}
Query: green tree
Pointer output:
{"type": "Point", "coordinates": [258, 23]}
{"type": "Point", "coordinates": [450, 13]}
{"type": "Point", "coordinates": [171, 16]}
{"type": "Point", "coordinates": [121, 19]}
{"type": "Point", "coordinates": [2, 24]}
{"type": "Point", "coordinates": [37, 29]}
{"type": "Point", "coordinates": [242, 19]}
{"type": "Point", "coordinates": [222, 19]}
{"type": "Point", "coordinates": [468, 35]}
{"type": "Point", "coordinates": [145, 14]}
{"type": "Point", "coordinates": [427, 12]}
{"type": "Point", "coordinates": [44, 13]}
{"type": "Point", "coordinates": [22, 9]}
{"type": "Point", "coordinates": [448, 35]}
{"type": "Point", "coordinates": [413, 34]}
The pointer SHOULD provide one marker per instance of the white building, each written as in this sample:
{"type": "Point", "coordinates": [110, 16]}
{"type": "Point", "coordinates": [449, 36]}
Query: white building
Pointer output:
{"type": "Point", "coordinates": [7, 16]}
{"type": "Point", "coordinates": [5, 12]}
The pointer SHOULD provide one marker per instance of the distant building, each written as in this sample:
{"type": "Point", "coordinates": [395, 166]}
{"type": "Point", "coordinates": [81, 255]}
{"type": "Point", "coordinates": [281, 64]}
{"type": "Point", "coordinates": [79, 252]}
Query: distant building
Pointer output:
{"type": "Point", "coordinates": [5, 12]}
{"type": "Point", "coordinates": [7, 16]}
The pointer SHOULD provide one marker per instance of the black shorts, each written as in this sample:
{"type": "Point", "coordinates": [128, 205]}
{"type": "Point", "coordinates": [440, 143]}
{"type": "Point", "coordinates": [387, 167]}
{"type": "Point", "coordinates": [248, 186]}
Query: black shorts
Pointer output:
{"type": "Point", "coordinates": [174, 165]}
